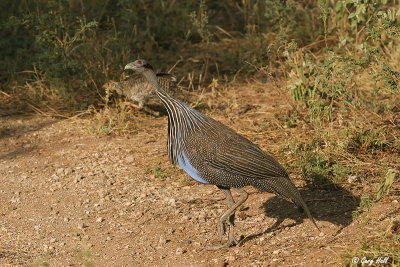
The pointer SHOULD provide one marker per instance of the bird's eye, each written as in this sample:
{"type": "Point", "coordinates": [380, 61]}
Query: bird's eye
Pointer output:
{"type": "Point", "coordinates": [139, 62]}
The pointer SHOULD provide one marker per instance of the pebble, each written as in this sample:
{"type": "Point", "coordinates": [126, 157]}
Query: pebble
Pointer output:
{"type": "Point", "coordinates": [179, 251]}
{"type": "Point", "coordinates": [231, 258]}
{"type": "Point", "coordinates": [82, 226]}
{"type": "Point", "coordinates": [352, 179]}
{"type": "Point", "coordinates": [100, 219]}
{"type": "Point", "coordinates": [67, 171]}
{"type": "Point", "coordinates": [60, 171]}
{"type": "Point", "coordinates": [129, 159]}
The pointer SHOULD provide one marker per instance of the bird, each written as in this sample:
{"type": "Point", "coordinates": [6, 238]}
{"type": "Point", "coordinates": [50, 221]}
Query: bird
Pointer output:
{"type": "Point", "coordinates": [214, 154]}
{"type": "Point", "coordinates": [140, 90]}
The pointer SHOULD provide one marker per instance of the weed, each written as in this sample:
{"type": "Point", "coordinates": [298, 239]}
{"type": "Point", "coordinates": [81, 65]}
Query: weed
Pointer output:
{"type": "Point", "coordinates": [200, 22]}
{"type": "Point", "coordinates": [110, 120]}
{"type": "Point", "coordinates": [370, 138]}
{"type": "Point", "coordinates": [319, 163]}
{"type": "Point", "coordinates": [372, 255]}
{"type": "Point", "coordinates": [185, 181]}
{"type": "Point", "coordinates": [86, 256]}
{"type": "Point", "coordinates": [365, 205]}
{"type": "Point", "coordinates": [290, 120]}
{"type": "Point", "coordinates": [280, 15]}
{"type": "Point", "coordinates": [386, 183]}
{"type": "Point", "coordinates": [41, 262]}
{"type": "Point", "coordinates": [156, 170]}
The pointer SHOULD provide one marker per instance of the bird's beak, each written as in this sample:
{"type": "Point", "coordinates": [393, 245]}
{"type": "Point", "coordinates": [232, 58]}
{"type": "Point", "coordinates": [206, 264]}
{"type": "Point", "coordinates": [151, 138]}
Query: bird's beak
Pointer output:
{"type": "Point", "coordinates": [129, 66]}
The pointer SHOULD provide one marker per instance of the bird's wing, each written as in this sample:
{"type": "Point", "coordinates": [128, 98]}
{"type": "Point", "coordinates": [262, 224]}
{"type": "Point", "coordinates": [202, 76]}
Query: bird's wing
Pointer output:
{"type": "Point", "coordinates": [243, 158]}
{"type": "Point", "coordinates": [166, 76]}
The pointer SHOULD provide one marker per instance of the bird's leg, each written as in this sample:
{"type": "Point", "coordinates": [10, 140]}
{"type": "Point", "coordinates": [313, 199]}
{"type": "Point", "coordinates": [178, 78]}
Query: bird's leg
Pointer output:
{"type": "Point", "coordinates": [221, 223]}
{"type": "Point", "coordinates": [243, 197]}
{"type": "Point", "coordinates": [229, 217]}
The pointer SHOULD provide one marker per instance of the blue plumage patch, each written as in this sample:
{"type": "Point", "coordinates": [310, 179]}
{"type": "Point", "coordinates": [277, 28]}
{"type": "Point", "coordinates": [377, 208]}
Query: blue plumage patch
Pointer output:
{"type": "Point", "coordinates": [183, 161]}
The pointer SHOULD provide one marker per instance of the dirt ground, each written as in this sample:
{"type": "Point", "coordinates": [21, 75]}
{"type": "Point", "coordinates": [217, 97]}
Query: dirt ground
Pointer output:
{"type": "Point", "coordinates": [69, 197]}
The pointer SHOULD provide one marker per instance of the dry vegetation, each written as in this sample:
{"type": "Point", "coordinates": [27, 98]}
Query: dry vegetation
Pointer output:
{"type": "Point", "coordinates": [316, 82]}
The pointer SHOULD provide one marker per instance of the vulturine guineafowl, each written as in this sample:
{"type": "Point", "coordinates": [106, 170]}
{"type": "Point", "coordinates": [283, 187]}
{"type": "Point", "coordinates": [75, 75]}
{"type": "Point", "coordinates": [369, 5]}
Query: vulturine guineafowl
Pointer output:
{"type": "Point", "coordinates": [212, 153]}
{"type": "Point", "coordinates": [139, 89]}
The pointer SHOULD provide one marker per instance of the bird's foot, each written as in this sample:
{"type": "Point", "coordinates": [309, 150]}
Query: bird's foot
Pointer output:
{"type": "Point", "coordinates": [231, 238]}
{"type": "Point", "coordinates": [221, 246]}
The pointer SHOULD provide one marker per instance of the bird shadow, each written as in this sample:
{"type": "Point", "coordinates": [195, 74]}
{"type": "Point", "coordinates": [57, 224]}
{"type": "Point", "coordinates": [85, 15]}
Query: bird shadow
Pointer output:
{"type": "Point", "coordinates": [335, 206]}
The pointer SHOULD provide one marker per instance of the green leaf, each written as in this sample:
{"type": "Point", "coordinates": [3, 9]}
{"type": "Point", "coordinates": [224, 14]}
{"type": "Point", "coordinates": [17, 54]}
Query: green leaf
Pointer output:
{"type": "Point", "coordinates": [386, 183]}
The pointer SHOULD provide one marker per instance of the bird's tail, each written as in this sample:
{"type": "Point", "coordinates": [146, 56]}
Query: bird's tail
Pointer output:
{"type": "Point", "coordinates": [285, 188]}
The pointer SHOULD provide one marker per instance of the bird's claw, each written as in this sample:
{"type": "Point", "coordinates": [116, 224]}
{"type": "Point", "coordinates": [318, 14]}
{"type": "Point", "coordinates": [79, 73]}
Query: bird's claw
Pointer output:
{"type": "Point", "coordinates": [220, 246]}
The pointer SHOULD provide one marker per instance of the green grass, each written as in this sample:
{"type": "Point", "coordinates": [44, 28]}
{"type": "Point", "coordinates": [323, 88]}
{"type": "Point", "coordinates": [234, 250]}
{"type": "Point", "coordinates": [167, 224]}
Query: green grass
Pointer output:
{"type": "Point", "coordinates": [365, 205]}
{"type": "Point", "coordinates": [372, 255]}
{"type": "Point", "coordinates": [156, 170]}
{"type": "Point", "coordinates": [86, 256]}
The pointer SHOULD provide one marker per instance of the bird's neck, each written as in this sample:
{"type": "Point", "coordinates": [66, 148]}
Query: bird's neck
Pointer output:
{"type": "Point", "coordinates": [152, 78]}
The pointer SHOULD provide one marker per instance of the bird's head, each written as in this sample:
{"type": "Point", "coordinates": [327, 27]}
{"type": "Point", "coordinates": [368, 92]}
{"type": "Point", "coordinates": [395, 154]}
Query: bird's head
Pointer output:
{"type": "Point", "coordinates": [139, 65]}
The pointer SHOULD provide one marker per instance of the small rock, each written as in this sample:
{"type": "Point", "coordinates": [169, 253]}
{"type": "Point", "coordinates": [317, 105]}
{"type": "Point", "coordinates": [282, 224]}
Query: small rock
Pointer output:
{"type": "Point", "coordinates": [179, 251]}
{"type": "Point", "coordinates": [100, 219]}
{"type": "Point", "coordinates": [352, 179]}
{"type": "Point", "coordinates": [321, 234]}
{"type": "Point", "coordinates": [14, 199]}
{"type": "Point", "coordinates": [53, 240]}
{"type": "Point", "coordinates": [82, 226]}
{"type": "Point", "coordinates": [129, 159]}
{"type": "Point", "coordinates": [172, 201]}
{"type": "Point", "coordinates": [78, 178]}
{"type": "Point", "coordinates": [60, 171]}
{"type": "Point", "coordinates": [67, 171]}
{"type": "Point", "coordinates": [162, 240]}
{"type": "Point", "coordinates": [231, 258]}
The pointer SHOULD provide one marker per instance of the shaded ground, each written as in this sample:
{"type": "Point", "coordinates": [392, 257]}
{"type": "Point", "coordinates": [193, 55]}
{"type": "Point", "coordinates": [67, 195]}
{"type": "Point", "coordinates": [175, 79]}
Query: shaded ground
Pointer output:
{"type": "Point", "coordinates": [70, 197]}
